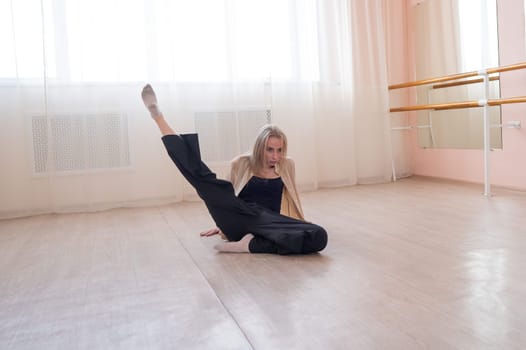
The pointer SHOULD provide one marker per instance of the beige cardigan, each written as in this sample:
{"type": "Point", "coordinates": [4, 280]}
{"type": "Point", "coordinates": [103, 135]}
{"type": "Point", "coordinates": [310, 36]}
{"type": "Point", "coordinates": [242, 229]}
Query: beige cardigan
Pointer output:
{"type": "Point", "coordinates": [240, 173]}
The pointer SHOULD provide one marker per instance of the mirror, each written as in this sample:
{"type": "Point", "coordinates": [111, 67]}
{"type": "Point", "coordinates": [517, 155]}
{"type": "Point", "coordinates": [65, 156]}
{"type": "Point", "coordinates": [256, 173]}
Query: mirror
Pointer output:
{"type": "Point", "coordinates": [455, 36]}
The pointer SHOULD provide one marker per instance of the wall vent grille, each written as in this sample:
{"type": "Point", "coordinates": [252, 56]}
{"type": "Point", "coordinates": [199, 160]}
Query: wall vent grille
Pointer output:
{"type": "Point", "coordinates": [79, 142]}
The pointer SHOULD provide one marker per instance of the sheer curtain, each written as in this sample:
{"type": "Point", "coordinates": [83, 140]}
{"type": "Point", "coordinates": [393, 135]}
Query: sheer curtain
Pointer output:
{"type": "Point", "coordinates": [74, 133]}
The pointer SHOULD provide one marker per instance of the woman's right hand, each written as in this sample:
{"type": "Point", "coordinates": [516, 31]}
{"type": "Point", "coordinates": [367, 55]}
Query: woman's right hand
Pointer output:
{"type": "Point", "coordinates": [211, 232]}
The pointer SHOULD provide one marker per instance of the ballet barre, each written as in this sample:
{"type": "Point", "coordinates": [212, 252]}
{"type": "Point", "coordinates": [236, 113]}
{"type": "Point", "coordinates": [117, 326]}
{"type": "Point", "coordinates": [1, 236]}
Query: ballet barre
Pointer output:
{"type": "Point", "coordinates": [464, 79]}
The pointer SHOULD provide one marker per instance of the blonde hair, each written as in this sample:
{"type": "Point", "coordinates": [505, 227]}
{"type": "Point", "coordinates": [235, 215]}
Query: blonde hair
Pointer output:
{"type": "Point", "coordinates": [258, 151]}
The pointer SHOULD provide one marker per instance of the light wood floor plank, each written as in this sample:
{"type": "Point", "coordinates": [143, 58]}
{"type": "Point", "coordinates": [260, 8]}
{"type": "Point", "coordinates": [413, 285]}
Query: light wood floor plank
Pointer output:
{"type": "Point", "coordinates": [415, 264]}
{"type": "Point", "coordinates": [116, 279]}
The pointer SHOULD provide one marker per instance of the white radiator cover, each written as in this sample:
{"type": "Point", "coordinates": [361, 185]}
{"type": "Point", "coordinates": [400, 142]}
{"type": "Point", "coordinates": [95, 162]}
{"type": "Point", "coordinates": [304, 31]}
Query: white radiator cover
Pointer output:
{"type": "Point", "coordinates": [79, 143]}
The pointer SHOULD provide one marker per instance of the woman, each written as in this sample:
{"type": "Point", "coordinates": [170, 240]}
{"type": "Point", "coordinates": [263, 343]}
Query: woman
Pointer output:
{"type": "Point", "coordinates": [249, 227]}
{"type": "Point", "coordinates": [266, 176]}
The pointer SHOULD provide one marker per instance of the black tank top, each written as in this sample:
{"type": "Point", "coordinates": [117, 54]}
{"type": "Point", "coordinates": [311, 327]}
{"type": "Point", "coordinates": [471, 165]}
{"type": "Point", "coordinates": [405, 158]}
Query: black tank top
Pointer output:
{"type": "Point", "coordinates": [264, 192]}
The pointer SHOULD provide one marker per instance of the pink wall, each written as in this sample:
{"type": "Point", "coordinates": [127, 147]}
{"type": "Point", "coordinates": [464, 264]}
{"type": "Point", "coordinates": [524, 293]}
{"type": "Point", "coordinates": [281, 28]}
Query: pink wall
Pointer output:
{"type": "Point", "coordinates": [507, 166]}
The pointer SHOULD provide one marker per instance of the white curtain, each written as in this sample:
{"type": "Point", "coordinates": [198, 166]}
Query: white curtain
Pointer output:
{"type": "Point", "coordinates": [75, 136]}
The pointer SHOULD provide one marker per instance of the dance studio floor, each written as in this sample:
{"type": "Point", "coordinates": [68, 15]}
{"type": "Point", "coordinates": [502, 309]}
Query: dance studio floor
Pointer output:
{"type": "Point", "coordinates": [416, 264]}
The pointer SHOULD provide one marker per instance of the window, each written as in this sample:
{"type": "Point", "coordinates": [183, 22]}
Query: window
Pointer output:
{"type": "Point", "coordinates": [21, 39]}
{"type": "Point", "coordinates": [478, 35]}
{"type": "Point", "coordinates": [135, 40]}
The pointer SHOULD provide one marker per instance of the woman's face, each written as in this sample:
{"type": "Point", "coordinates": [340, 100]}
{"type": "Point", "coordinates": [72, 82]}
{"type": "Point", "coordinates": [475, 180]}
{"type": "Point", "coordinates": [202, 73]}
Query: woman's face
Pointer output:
{"type": "Point", "coordinates": [273, 152]}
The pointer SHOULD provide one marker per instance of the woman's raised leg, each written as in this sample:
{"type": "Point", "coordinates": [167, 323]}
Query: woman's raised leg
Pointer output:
{"type": "Point", "coordinates": [229, 212]}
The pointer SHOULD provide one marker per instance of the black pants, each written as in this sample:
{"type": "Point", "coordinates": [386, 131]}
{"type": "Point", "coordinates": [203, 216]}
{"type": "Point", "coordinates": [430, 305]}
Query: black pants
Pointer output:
{"type": "Point", "coordinates": [273, 233]}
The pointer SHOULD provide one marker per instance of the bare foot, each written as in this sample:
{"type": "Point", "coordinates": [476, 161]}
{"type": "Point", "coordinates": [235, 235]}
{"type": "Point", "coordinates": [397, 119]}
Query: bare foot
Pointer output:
{"type": "Point", "coordinates": [150, 100]}
{"type": "Point", "coordinates": [240, 246]}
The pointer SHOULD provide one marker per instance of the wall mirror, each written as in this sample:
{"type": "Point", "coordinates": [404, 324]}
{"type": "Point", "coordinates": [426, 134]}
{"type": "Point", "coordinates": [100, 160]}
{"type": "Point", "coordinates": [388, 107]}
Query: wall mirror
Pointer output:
{"type": "Point", "coordinates": [455, 36]}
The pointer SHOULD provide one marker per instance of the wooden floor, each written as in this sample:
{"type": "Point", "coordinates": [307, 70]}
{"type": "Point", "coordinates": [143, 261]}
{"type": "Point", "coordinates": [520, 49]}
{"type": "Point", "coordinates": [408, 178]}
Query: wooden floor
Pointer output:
{"type": "Point", "coordinates": [416, 264]}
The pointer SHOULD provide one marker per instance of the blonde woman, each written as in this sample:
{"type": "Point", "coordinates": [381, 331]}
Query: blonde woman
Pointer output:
{"type": "Point", "coordinates": [266, 176]}
{"type": "Point", "coordinates": [248, 226]}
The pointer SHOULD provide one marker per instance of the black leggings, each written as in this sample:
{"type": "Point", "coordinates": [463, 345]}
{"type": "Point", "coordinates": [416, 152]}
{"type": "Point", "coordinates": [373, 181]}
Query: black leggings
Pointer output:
{"type": "Point", "coordinates": [273, 232]}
